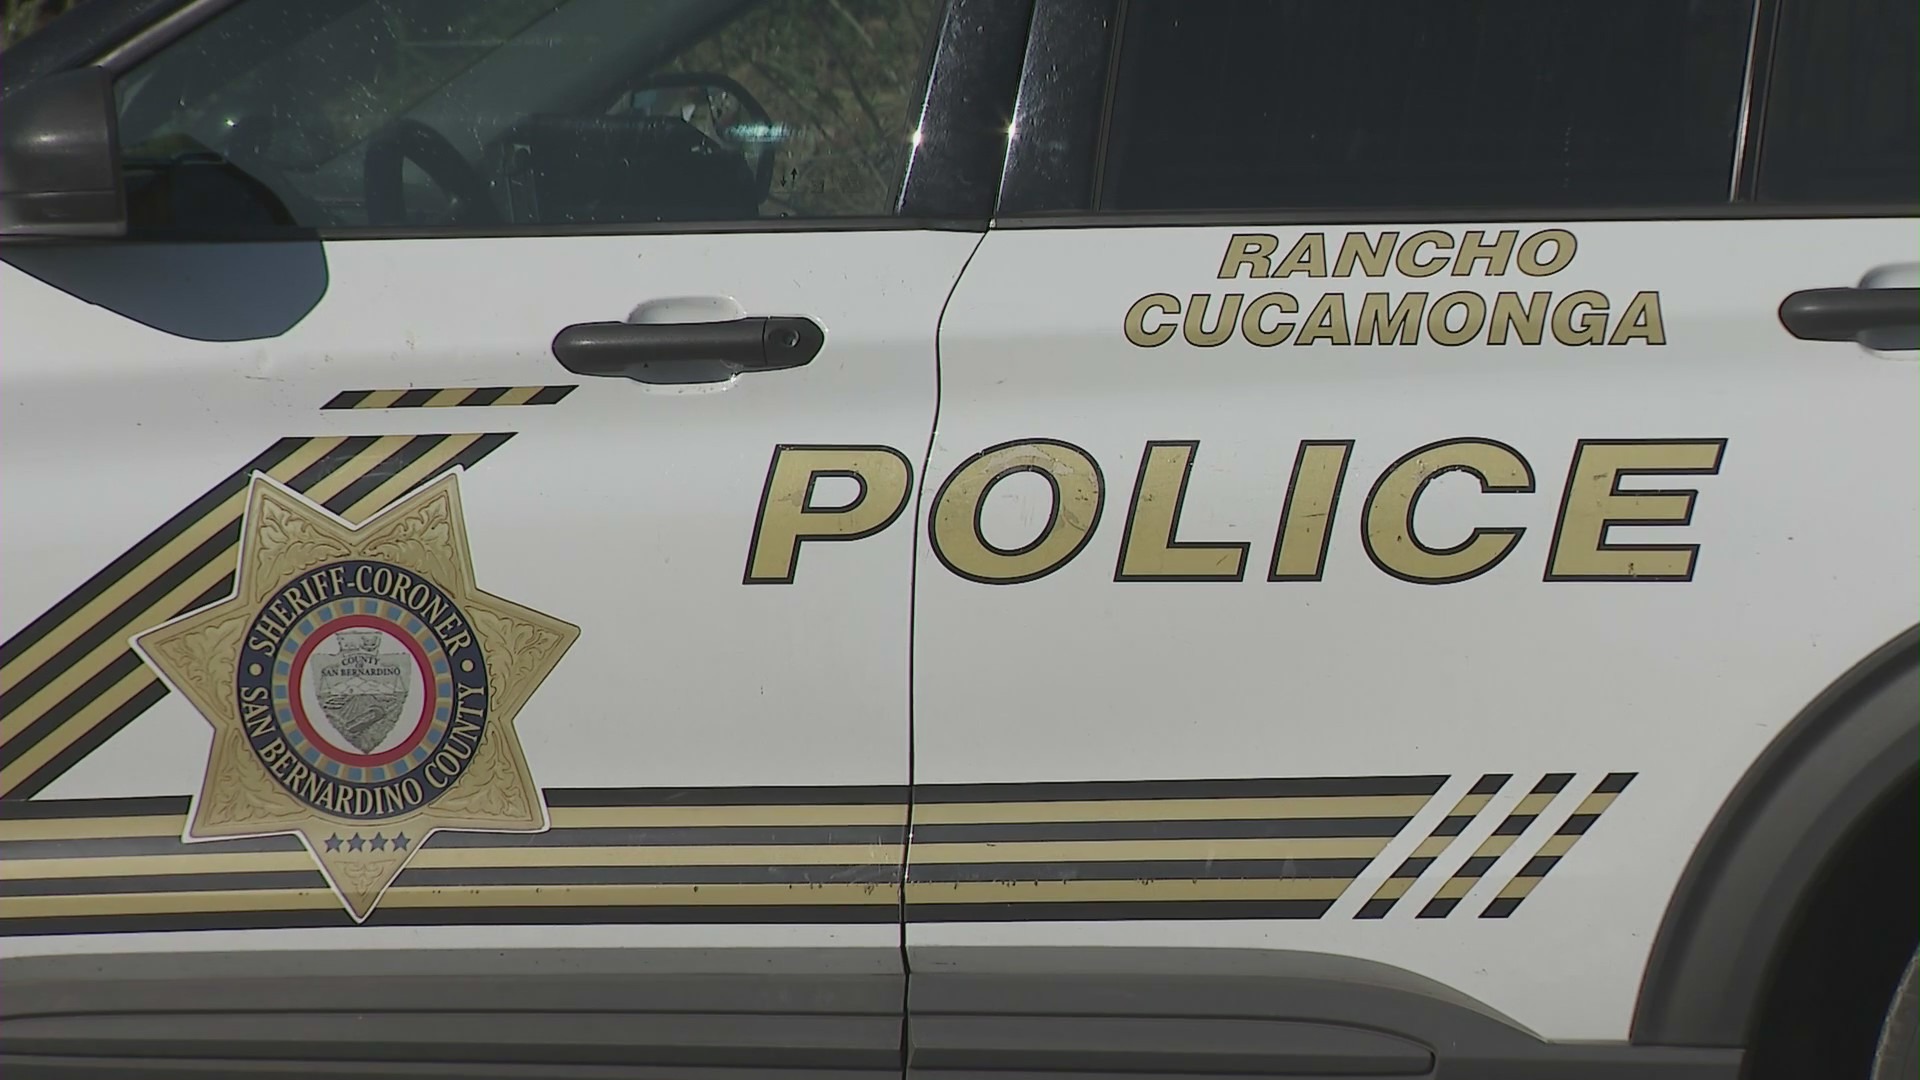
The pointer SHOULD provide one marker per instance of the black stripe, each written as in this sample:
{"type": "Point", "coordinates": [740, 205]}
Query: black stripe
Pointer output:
{"type": "Point", "coordinates": [1414, 867]}
{"type": "Point", "coordinates": [1577, 825]}
{"type": "Point", "coordinates": [41, 809]}
{"type": "Point", "coordinates": [485, 395]}
{"type": "Point", "coordinates": [459, 916]}
{"type": "Point", "coordinates": [1552, 784]}
{"type": "Point", "coordinates": [1438, 908]}
{"type": "Point", "coordinates": [140, 552]}
{"type": "Point", "coordinates": [920, 912]}
{"type": "Point", "coordinates": [1538, 866]}
{"type": "Point", "coordinates": [410, 451]}
{"type": "Point", "coordinates": [1264, 788]}
{"type": "Point", "coordinates": [1615, 783]}
{"type": "Point", "coordinates": [1144, 870]}
{"type": "Point", "coordinates": [550, 395]}
{"type": "Point", "coordinates": [1452, 825]}
{"type": "Point", "coordinates": [480, 877]}
{"type": "Point", "coordinates": [1491, 784]}
{"type": "Point", "coordinates": [86, 744]}
{"type": "Point", "coordinates": [1375, 909]}
{"type": "Point", "coordinates": [728, 796]}
{"type": "Point", "coordinates": [1501, 907]}
{"type": "Point", "coordinates": [331, 461]}
{"type": "Point", "coordinates": [1515, 824]}
{"type": "Point", "coordinates": [346, 399]}
{"type": "Point", "coordinates": [678, 836]}
{"type": "Point", "coordinates": [105, 847]}
{"type": "Point", "coordinates": [1476, 866]}
{"type": "Point", "coordinates": [413, 399]}
{"type": "Point", "coordinates": [481, 447]}
{"type": "Point", "coordinates": [1227, 829]}
{"type": "Point", "coordinates": [60, 711]}
{"type": "Point", "coordinates": [117, 623]}
{"type": "Point", "coordinates": [162, 883]}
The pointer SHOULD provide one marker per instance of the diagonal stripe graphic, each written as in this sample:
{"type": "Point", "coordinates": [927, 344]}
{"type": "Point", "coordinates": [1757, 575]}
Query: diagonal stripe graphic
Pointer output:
{"type": "Point", "coordinates": [1555, 847]}
{"type": "Point", "coordinates": [1449, 895]}
{"type": "Point", "coordinates": [70, 681]}
{"type": "Point", "coordinates": [1434, 846]}
{"type": "Point", "coordinates": [448, 398]}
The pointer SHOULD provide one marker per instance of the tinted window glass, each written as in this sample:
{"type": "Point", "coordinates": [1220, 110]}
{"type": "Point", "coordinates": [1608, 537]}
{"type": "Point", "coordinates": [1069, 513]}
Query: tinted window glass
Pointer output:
{"type": "Point", "coordinates": [481, 113]}
{"type": "Point", "coordinates": [1843, 111]}
{"type": "Point", "coordinates": [1412, 103]}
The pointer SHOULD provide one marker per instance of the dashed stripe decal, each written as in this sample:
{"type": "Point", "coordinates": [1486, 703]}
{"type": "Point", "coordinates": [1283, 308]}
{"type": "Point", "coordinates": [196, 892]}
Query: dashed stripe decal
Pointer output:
{"type": "Point", "coordinates": [451, 398]}
{"type": "Point", "coordinates": [1259, 849]}
{"type": "Point", "coordinates": [1556, 846]}
{"type": "Point", "coordinates": [68, 680]}
{"type": "Point", "coordinates": [1476, 866]}
{"type": "Point", "coordinates": [1435, 845]}
{"type": "Point", "coordinates": [1213, 849]}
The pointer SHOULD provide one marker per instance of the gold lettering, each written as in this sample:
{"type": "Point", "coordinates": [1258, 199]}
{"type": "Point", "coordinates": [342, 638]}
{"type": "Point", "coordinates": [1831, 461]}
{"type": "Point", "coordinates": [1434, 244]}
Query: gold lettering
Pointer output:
{"type": "Point", "coordinates": [1571, 326]}
{"type": "Point", "coordinates": [1389, 534]}
{"type": "Point", "coordinates": [1250, 323]}
{"type": "Point", "coordinates": [786, 519]}
{"type": "Point", "coordinates": [1594, 503]}
{"type": "Point", "coordinates": [1529, 322]}
{"type": "Point", "coordinates": [1440, 316]}
{"type": "Point", "coordinates": [1564, 245]}
{"type": "Point", "coordinates": [1474, 248]}
{"type": "Point", "coordinates": [1253, 251]}
{"type": "Point", "coordinates": [1327, 321]}
{"type": "Point", "coordinates": [1148, 550]}
{"type": "Point", "coordinates": [953, 527]}
{"type": "Point", "coordinates": [1136, 325]}
{"type": "Point", "coordinates": [1374, 257]}
{"type": "Point", "coordinates": [1402, 327]}
{"type": "Point", "coordinates": [1640, 320]}
{"type": "Point", "coordinates": [1306, 518]}
{"type": "Point", "coordinates": [1409, 261]}
{"type": "Point", "coordinates": [1309, 257]}
{"type": "Point", "coordinates": [1195, 326]}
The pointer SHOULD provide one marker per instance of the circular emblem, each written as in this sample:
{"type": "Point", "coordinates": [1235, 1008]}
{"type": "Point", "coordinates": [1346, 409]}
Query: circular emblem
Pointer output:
{"type": "Point", "coordinates": [362, 689]}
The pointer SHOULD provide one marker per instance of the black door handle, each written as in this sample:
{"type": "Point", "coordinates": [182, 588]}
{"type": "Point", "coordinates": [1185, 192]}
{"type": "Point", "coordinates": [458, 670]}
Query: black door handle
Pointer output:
{"type": "Point", "coordinates": [1869, 316]}
{"type": "Point", "coordinates": [690, 351]}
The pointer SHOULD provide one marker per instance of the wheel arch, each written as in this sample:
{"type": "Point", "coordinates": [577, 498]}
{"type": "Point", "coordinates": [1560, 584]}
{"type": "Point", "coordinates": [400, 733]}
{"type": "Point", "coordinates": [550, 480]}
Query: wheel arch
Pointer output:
{"type": "Point", "coordinates": [1765, 853]}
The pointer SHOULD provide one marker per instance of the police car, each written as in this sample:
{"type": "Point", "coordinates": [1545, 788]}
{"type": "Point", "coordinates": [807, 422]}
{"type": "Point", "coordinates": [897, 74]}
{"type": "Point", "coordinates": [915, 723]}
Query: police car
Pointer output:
{"type": "Point", "coordinates": [566, 538]}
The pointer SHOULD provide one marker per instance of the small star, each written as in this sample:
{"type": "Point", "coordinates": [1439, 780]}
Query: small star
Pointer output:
{"type": "Point", "coordinates": [400, 842]}
{"type": "Point", "coordinates": [355, 842]}
{"type": "Point", "coordinates": [333, 842]}
{"type": "Point", "coordinates": [379, 842]}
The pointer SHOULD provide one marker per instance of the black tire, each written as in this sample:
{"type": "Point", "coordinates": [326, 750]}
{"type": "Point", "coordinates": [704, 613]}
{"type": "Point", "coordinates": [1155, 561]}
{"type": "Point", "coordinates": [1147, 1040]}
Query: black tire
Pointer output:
{"type": "Point", "coordinates": [1898, 1056]}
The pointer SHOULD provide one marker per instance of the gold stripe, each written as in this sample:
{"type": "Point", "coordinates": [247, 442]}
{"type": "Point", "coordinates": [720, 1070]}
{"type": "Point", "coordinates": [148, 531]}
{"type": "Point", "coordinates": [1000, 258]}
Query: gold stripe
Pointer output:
{"type": "Point", "coordinates": [93, 828]}
{"type": "Point", "coordinates": [213, 862]}
{"type": "Point", "coordinates": [519, 395]}
{"type": "Point", "coordinates": [1519, 887]}
{"type": "Point", "coordinates": [1557, 845]}
{"type": "Point", "coordinates": [1455, 888]}
{"type": "Point", "coordinates": [397, 484]}
{"type": "Point", "coordinates": [1168, 809]}
{"type": "Point", "coordinates": [1470, 804]}
{"type": "Point", "coordinates": [1596, 803]}
{"type": "Point", "coordinates": [162, 560]}
{"type": "Point", "coordinates": [356, 467]}
{"type": "Point", "coordinates": [216, 901]}
{"type": "Point", "coordinates": [448, 398]}
{"type": "Point", "coordinates": [1495, 845]}
{"type": "Point", "coordinates": [1532, 804]}
{"type": "Point", "coordinates": [1017, 892]}
{"type": "Point", "coordinates": [1393, 888]}
{"type": "Point", "coordinates": [564, 817]}
{"type": "Point", "coordinates": [379, 399]}
{"type": "Point", "coordinates": [642, 817]}
{"type": "Point", "coordinates": [82, 721]}
{"type": "Point", "coordinates": [1329, 847]}
{"type": "Point", "coordinates": [1431, 846]}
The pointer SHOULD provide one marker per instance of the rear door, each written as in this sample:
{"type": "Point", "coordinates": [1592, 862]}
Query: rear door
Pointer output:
{"type": "Point", "coordinates": [1384, 507]}
{"type": "Point", "coordinates": [458, 326]}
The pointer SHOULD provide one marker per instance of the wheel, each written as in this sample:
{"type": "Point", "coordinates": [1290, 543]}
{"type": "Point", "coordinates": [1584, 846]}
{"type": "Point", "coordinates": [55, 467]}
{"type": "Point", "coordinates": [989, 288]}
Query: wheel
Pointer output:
{"type": "Point", "coordinates": [1898, 1057]}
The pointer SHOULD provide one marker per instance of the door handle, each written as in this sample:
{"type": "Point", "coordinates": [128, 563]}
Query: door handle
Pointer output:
{"type": "Point", "coordinates": [680, 352]}
{"type": "Point", "coordinates": [1876, 318]}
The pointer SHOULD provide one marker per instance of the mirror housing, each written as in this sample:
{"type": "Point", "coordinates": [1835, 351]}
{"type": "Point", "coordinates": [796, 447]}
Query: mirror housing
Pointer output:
{"type": "Point", "coordinates": [60, 159]}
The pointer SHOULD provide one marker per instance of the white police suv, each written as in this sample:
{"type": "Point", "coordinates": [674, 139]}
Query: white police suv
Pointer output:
{"type": "Point", "coordinates": [960, 538]}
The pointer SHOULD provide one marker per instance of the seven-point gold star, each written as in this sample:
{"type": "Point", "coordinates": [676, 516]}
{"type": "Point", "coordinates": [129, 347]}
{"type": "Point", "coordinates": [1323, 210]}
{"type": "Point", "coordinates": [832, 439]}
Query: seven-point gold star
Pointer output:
{"type": "Point", "coordinates": [362, 689]}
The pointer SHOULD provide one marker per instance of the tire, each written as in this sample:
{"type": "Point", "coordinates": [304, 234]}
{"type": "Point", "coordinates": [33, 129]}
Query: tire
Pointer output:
{"type": "Point", "coordinates": [1898, 1056]}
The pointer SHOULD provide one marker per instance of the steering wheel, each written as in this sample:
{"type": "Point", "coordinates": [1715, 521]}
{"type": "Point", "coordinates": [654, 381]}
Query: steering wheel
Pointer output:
{"type": "Point", "coordinates": [406, 140]}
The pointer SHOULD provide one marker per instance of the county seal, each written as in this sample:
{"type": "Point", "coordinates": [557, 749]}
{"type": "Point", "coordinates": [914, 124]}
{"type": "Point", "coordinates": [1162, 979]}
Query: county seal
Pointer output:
{"type": "Point", "coordinates": [362, 689]}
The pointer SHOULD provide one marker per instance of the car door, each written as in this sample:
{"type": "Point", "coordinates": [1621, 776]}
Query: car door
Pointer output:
{"type": "Point", "coordinates": [1379, 512]}
{"type": "Point", "coordinates": [511, 353]}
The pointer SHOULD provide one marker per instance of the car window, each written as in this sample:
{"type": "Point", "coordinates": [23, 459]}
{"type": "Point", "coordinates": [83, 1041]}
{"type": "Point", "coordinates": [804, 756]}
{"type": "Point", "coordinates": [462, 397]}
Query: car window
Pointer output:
{"type": "Point", "coordinates": [1843, 108]}
{"type": "Point", "coordinates": [525, 113]}
{"type": "Point", "coordinates": [1404, 103]}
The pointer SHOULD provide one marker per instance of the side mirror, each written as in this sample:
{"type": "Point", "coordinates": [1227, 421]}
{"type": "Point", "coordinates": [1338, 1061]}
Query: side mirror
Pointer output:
{"type": "Point", "coordinates": [60, 159]}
